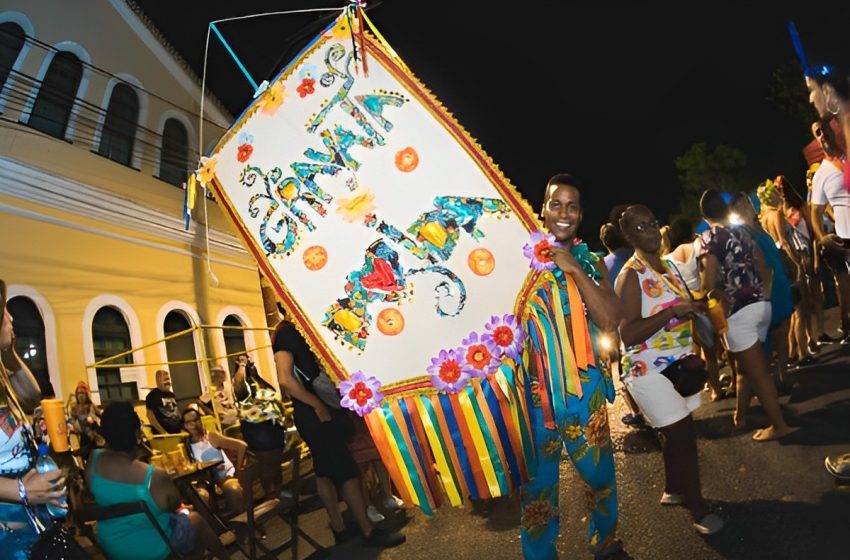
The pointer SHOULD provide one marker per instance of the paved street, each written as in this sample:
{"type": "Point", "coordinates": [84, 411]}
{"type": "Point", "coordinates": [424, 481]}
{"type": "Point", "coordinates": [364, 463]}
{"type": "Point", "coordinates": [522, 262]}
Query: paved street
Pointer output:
{"type": "Point", "coordinates": [776, 497]}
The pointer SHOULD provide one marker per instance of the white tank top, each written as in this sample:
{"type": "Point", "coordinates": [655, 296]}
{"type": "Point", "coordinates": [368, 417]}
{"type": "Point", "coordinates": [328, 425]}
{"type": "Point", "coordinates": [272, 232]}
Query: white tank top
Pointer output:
{"type": "Point", "coordinates": [688, 270]}
{"type": "Point", "coordinates": [204, 451]}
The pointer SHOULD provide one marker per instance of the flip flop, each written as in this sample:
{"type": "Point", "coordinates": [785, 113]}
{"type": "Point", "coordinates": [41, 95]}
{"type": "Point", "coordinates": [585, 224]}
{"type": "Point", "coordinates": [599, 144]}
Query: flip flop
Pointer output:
{"type": "Point", "coordinates": [634, 420]}
{"type": "Point", "coordinates": [773, 437]}
{"type": "Point", "coordinates": [839, 467]}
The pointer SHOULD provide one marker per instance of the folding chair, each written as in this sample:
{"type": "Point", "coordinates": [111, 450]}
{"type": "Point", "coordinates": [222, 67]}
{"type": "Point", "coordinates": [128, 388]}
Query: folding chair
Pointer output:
{"type": "Point", "coordinates": [87, 516]}
{"type": "Point", "coordinates": [287, 507]}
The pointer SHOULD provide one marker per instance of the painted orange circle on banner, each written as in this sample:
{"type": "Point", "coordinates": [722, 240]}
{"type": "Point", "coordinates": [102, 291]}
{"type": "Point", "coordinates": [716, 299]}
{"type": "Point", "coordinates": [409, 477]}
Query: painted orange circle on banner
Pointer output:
{"type": "Point", "coordinates": [406, 160]}
{"type": "Point", "coordinates": [481, 261]}
{"type": "Point", "coordinates": [390, 321]}
{"type": "Point", "coordinates": [315, 257]}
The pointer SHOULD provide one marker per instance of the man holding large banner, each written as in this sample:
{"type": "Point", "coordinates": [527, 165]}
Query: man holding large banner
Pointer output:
{"type": "Point", "coordinates": [568, 298]}
{"type": "Point", "coordinates": [394, 243]}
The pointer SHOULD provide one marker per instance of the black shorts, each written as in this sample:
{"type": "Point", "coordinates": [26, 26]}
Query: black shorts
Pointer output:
{"type": "Point", "coordinates": [836, 259]}
{"type": "Point", "coordinates": [263, 436]}
{"type": "Point", "coordinates": [328, 442]}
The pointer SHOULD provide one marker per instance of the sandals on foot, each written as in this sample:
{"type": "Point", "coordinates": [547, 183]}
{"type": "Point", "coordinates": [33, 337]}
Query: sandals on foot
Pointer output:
{"type": "Point", "coordinates": [839, 466]}
{"type": "Point", "coordinates": [709, 525]}
{"type": "Point", "coordinates": [668, 499]}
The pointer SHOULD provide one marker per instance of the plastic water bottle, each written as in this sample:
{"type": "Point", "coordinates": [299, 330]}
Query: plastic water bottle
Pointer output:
{"type": "Point", "coordinates": [46, 464]}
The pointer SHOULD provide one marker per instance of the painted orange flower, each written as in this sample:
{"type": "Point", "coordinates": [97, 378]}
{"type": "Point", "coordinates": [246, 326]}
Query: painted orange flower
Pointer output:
{"type": "Point", "coordinates": [273, 98]}
{"type": "Point", "coordinates": [357, 207]}
{"type": "Point", "coordinates": [406, 160]}
{"type": "Point", "coordinates": [307, 87]}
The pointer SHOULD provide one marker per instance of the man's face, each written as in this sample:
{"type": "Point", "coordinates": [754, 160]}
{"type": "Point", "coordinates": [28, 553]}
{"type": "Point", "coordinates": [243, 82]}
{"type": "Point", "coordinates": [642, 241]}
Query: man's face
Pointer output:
{"type": "Point", "coordinates": [825, 137]}
{"type": "Point", "coordinates": [217, 376]}
{"type": "Point", "coordinates": [163, 381]}
{"type": "Point", "coordinates": [6, 330]}
{"type": "Point", "coordinates": [817, 98]}
{"type": "Point", "coordinates": [562, 212]}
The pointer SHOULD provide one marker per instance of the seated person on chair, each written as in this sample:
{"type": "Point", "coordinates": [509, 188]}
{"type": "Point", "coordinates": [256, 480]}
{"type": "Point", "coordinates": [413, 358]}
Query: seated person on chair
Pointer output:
{"type": "Point", "coordinates": [222, 392]}
{"type": "Point", "coordinates": [85, 416]}
{"type": "Point", "coordinates": [116, 476]}
{"type": "Point", "coordinates": [210, 446]}
{"type": "Point", "coordinates": [161, 405]}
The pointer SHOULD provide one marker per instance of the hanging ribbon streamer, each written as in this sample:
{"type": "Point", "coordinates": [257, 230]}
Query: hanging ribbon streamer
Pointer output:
{"type": "Point", "coordinates": [474, 443]}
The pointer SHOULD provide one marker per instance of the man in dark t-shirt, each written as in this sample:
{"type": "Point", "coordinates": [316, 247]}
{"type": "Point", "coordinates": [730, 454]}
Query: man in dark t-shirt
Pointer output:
{"type": "Point", "coordinates": [161, 404]}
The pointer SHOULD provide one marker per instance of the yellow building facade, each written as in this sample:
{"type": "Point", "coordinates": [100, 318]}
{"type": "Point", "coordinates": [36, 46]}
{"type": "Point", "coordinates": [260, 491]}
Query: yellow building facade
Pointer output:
{"type": "Point", "coordinates": [99, 127]}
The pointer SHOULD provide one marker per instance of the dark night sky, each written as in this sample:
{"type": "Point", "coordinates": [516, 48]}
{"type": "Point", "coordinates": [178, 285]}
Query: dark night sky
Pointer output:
{"type": "Point", "coordinates": [609, 91]}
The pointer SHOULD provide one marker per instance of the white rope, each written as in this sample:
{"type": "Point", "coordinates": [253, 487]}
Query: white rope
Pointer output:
{"type": "Point", "coordinates": [280, 14]}
{"type": "Point", "coordinates": [213, 277]}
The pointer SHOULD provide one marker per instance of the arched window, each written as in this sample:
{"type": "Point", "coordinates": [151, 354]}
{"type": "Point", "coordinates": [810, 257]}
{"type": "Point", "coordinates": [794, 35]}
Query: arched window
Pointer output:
{"type": "Point", "coordinates": [234, 338]}
{"type": "Point", "coordinates": [174, 156]}
{"type": "Point", "coordinates": [12, 39]}
{"type": "Point", "coordinates": [29, 340]}
{"type": "Point", "coordinates": [119, 127]}
{"type": "Point", "coordinates": [185, 382]}
{"type": "Point", "coordinates": [111, 336]}
{"type": "Point", "coordinates": [55, 99]}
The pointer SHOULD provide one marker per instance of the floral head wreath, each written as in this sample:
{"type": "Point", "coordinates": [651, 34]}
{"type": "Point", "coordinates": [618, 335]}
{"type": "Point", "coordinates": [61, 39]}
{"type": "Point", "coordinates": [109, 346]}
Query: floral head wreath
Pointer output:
{"type": "Point", "coordinates": [810, 175]}
{"type": "Point", "coordinates": [765, 191]}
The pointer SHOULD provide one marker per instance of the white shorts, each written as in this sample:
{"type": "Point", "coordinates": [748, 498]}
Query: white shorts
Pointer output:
{"type": "Point", "coordinates": [659, 402]}
{"type": "Point", "coordinates": [747, 326]}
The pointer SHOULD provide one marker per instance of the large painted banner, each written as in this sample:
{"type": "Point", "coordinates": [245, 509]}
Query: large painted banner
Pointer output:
{"type": "Point", "coordinates": [396, 245]}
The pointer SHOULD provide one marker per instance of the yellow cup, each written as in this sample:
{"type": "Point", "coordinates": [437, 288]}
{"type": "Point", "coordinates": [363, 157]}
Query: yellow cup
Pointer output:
{"type": "Point", "coordinates": [57, 426]}
{"type": "Point", "coordinates": [178, 459]}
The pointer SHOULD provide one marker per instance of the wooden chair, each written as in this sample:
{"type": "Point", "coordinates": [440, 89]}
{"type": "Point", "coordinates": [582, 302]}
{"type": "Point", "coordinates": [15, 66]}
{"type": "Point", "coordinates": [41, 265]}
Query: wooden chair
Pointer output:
{"type": "Point", "coordinates": [287, 507]}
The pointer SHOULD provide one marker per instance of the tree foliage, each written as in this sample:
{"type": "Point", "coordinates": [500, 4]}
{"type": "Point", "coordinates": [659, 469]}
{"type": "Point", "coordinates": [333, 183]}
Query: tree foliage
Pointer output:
{"type": "Point", "coordinates": [703, 167]}
{"type": "Point", "coordinates": [789, 93]}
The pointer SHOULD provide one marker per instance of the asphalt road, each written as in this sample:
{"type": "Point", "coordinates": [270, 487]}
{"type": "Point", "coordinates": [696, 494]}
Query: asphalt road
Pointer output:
{"type": "Point", "coordinates": [776, 498]}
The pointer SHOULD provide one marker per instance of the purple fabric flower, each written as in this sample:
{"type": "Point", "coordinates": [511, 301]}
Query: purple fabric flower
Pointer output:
{"type": "Point", "coordinates": [480, 357]}
{"type": "Point", "coordinates": [447, 372]}
{"type": "Point", "coordinates": [537, 251]}
{"type": "Point", "coordinates": [506, 335]}
{"type": "Point", "coordinates": [361, 393]}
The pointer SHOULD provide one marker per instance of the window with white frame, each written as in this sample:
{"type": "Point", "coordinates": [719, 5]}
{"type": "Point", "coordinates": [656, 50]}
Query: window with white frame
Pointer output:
{"type": "Point", "coordinates": [182, 357]}
{"type": "Point", "coordinates": [234, 337]}
{"type": "Point", "coordinates": [52, 108]}
{"type": "Point", "coordinates": [111, 336]}
{"type": "Point", "coordinates": [12, 38]}
{"type": "Point", "coordinates": [174, 155]}
{"type": "Point", "coordinates": [119, 127]}
{"type": "Point", "coordinates": [30, 342]}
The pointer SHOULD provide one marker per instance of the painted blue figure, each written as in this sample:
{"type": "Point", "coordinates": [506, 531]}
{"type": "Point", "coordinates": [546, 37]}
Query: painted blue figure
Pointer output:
{"type": "Point", "coordinates": [566, 390]}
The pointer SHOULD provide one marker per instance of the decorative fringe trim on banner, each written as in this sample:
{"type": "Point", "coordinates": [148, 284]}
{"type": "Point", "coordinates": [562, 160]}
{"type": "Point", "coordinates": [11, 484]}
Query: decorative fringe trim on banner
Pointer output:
{"type": "Point", "coordinates": [475, 443]}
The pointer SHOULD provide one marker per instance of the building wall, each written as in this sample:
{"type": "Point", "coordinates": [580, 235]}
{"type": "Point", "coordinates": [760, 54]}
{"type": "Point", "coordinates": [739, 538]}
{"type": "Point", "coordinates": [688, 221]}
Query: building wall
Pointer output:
{"type": "Point", "coordinates": [81, 231]}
